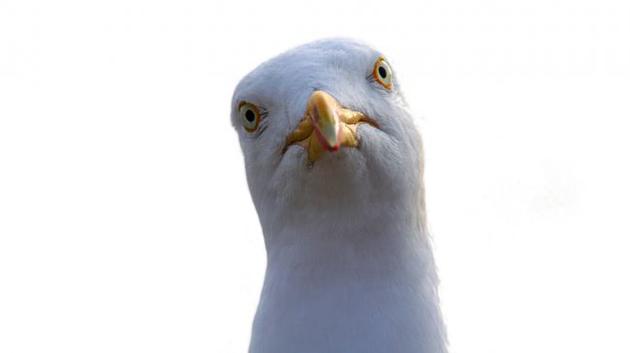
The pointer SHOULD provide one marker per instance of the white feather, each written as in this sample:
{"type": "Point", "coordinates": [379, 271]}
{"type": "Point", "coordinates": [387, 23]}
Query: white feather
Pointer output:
{"type": "Point", "coordinates": [349, 263]}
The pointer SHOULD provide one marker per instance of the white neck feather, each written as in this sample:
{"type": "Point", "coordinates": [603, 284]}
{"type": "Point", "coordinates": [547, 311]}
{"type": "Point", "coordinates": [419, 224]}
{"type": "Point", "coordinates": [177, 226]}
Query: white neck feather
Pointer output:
{"type": "Point", "coordinates": [365, 283]}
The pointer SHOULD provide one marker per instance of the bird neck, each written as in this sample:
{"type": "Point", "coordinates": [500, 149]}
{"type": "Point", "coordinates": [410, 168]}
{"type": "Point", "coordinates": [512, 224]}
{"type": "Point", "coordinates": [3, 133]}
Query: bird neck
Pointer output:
{"type": "Point", "coordinates": [354, 238]}
{"type": "Point", "coordinates": [383, 235]}
{"type": "Point", "coordinates": [364, 283]}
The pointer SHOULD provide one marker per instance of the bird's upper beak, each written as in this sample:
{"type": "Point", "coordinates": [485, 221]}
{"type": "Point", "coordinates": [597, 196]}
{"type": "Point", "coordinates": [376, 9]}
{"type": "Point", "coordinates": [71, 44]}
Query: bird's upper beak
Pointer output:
{"type": "Point", "coordinates": [326, 126]}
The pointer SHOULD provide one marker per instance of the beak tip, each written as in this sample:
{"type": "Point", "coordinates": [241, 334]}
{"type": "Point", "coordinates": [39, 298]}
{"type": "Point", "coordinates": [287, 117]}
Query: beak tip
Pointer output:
{"type": "Point", "coordinates": [334, 148]}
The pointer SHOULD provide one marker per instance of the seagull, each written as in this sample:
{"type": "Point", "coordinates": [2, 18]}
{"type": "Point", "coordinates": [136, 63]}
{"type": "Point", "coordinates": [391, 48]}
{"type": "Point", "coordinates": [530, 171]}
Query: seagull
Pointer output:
{"type": "Point", "coordinates": [334, 164]}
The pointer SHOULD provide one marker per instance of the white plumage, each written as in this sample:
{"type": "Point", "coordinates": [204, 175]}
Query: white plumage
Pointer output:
{"type": "Point", "coordinates": [349, 264]}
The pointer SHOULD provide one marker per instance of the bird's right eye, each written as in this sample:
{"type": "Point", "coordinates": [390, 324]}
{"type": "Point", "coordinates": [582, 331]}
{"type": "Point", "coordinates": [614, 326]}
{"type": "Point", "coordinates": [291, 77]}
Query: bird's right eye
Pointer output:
{"type": "Point", "coordinates": [250, 116]}
{"type": "Point", "coordinates": [382, 73]}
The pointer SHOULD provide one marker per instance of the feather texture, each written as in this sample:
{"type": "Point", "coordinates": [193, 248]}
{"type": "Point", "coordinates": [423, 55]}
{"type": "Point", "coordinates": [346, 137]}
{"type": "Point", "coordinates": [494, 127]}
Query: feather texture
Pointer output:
{"type": "Point", "coordinates": [349, 262]}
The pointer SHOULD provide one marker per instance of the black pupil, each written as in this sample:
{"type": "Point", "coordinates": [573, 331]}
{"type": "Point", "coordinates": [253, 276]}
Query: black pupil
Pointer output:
{"type": "Point", "coordinates": [382, 72]}
{"type": "Point", "coordinates": [250, 116]}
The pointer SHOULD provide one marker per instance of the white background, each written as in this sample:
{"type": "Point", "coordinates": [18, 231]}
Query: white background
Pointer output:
{"type": "Point", "coordinates": [125, 220]}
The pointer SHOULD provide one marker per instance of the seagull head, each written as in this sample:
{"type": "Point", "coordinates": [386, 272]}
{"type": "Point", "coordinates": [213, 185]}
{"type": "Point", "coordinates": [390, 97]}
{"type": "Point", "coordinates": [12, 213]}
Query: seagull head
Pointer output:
{"type": "Point", "coordinates": [324, 129]}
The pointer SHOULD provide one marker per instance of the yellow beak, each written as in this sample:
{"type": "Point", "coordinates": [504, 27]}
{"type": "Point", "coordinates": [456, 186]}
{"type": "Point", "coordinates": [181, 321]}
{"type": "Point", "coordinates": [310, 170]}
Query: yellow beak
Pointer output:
{"type": "Point", "coordinates": [326, 126]}
{"type": "Point", "coordinates": [322, 111]}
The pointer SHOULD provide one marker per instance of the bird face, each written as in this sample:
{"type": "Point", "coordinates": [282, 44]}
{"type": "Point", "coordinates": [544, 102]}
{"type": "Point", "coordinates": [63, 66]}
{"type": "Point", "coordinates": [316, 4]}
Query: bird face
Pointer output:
{"type": "Point", "coordinates": [324, 126]}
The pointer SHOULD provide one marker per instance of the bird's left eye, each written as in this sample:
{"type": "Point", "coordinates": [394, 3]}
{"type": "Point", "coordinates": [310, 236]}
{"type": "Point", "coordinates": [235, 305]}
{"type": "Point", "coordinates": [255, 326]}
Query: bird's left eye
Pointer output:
{"type": "Point", "coordinates": [250, 116]}
{"type": "Point", "coordinates": [383, 73]}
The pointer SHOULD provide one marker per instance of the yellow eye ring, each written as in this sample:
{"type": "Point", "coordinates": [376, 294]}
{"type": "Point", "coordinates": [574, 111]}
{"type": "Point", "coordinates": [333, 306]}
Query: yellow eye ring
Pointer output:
{"type": "Point", "coordinates": [382, 73]}
{"type": "Point", "coordinates": [250, 116]}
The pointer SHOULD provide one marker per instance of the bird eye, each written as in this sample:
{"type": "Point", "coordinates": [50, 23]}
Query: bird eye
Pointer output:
{"type": "Point", "coordinates": [383, 73]}
{"type": "Point", "coordinates": [250, 116]}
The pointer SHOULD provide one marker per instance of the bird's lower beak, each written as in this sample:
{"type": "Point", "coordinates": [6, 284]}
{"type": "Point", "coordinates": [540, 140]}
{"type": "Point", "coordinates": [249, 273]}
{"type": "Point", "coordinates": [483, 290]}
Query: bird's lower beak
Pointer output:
{"type": "Point", "coordinates": [326, 126]}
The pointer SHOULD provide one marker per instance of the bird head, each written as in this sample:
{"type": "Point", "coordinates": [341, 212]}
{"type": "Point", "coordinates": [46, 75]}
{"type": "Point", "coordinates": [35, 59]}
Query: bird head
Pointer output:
{"type": "Point", "coordinates": [324, 128]}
